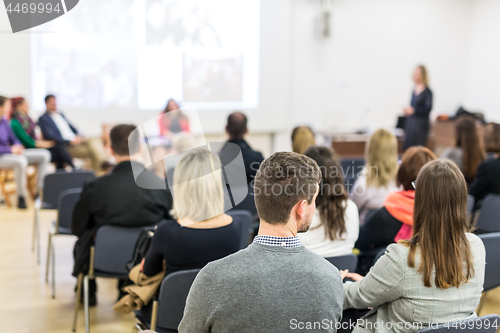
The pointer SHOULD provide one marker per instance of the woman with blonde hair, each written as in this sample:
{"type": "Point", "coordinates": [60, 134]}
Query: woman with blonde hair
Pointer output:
{"type": "Point", "coordinates": [434, 277]}
{"type": "Point", "coordinates": [201, 231]}
{"type": "Point", "coordinates": [417, 121]}
{"type": "Point", "coordinates": [379, 177]}
{"type": "Point", "coordinates": [302, 138]}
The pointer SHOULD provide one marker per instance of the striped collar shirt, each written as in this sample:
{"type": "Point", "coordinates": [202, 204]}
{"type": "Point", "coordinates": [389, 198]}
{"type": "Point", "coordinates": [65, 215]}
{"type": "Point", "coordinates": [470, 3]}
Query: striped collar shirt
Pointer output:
{"type": "Point", "coordinates": [287, 242]}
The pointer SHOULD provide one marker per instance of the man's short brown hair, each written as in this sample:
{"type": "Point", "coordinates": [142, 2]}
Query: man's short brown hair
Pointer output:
{"type": "Point", "coordinates": [284, 179]}
{"type": "Point", "coordinates": [119, 137]}
{"type": "Point", "coordinates": [413, 160]}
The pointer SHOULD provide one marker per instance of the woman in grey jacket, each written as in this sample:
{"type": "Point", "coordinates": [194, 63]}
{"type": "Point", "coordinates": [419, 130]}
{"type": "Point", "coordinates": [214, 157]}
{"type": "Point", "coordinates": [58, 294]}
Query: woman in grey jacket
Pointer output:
{"type": "Point", "coordinates": [435, 277]}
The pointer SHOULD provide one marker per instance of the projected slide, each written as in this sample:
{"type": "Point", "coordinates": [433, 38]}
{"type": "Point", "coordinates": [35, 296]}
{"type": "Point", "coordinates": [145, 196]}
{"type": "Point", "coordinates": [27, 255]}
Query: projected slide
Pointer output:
{"type": "Point", "coordinates": [140, 53]}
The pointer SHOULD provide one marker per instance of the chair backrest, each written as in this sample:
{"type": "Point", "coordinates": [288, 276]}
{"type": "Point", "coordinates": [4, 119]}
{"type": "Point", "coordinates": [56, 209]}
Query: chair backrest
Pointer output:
{"type": "Point", "coordinates": [246, 225]}
{"type": "Point", "coordinates": [492, 269]}
{"type": "Point", "coordinates": [172, 298]}
{"type": "Point", "coordinates": [489, 215]}
{"type": "Point", "coordinates": [56, 183]}
{"type": "Point", "coordinates": [114, 247]}
{"type": "Point", "coordinates": [470, 203]}
{"type": "Point", "coordinates": [248, 202]}
{"type": "Point", "coordinates": [348, 262]}
{"type": "Point", "coordinates": [484, 324]}
{"type": "Point", "coordinates": [67, 201]}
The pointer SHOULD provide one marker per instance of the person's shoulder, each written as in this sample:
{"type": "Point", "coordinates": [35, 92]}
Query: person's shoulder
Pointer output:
{"type": "Point", "coordinates": [43, 117]}
{"type": "Point", "coordinates": [166, 225]}
{"type": "Point", "coordinates": [474, 241]}
{"type": "Point", "coordinates": [351, 207]}
{"type": "Point", "coordinates": [398, 252]}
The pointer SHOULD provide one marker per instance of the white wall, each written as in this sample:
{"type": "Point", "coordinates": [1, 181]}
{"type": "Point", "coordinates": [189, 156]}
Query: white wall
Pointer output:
{"type": "Point", "coordinates": [358, 77]}
{"type": "Point", "coordinates": [483, 88]}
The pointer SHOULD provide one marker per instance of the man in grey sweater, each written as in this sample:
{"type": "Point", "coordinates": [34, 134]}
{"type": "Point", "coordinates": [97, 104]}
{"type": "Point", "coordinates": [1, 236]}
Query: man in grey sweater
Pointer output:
{"type": "Point", "coordinates": [274, 285]}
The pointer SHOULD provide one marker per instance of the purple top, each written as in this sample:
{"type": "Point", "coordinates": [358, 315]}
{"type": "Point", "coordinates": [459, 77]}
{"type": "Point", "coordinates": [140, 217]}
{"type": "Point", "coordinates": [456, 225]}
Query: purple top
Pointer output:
{"type": "Point", "coordinates": [7, 137]}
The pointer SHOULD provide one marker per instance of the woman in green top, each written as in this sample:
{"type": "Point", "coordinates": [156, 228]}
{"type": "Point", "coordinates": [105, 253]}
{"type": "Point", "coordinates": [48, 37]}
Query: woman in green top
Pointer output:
{"type": "Point", "coordinates": [24, 129]}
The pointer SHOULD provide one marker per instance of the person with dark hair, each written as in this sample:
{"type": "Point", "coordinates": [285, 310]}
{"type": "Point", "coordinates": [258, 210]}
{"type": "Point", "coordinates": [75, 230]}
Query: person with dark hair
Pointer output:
{"type": "Point", "coordinates": [468, 151]}
{"type": "Point", "coordinates": [335, 225]}
{"type": "Point", "coordinates": [24, 129]}
{"type": "Point", "coordinates": [118, 198]}
{"type": "Point", "coordinates": [487, 179]}
{"type": "Point", "coordinates": [237, 128]}
{"type": "Point", "coordinates": [394, 221]}
{"type": "Point", "coordinates": [434, 277]}
{"type": "Point", "coordinates": [14, 156]}
{"type": "Point", "coordinates": [275, 279]}
{"type": "Point", "coordinates": [55, 127]}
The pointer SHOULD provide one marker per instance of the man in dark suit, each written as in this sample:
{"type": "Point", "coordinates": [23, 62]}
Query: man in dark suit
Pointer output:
{"type": "Point", "coordinates": [130, 196]}
{"type": "Point", "coordinates": [56, 127]}
{"type": "Point", "coordinates": [236, 129]}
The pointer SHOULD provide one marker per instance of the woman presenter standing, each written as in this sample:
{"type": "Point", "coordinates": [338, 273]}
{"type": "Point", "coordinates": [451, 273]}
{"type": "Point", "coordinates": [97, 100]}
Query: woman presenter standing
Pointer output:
{"type": "Point", "coordinates": [417, 121]}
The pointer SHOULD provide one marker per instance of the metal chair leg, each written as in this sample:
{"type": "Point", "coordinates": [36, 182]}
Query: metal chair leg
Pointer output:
{"type": "Point", "coordinates": [49, 248]}
{"type": "Point", "coordinates": [35, 223]}
{"type": "Point", "coordinates": [53, 271]}
{"type": "Point", "coordinates": [86, 303]}
{"type": "Point", "coordinates": [154, 316]}
{"type": "Point", "coordinates": [78, 295]}
{"type": "Point", "coordinates": [38, 242]}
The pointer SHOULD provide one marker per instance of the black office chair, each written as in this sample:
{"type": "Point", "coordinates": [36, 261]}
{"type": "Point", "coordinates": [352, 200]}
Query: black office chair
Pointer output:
{"type": "Point", "coordinates": [489, 215]}
{"type": "Point", "coordinates": [168, 309]}
{"type": "Point", "coordinates": [114, 247]}
{"type": "Point", "coordinates": [348, 262]}
{"type": "Point", "coordinates": [62, 226]}
{"type": "Point", "coordinates": [491, 243]}
{"type": "Point", "coordinates": [54, 184]}
{"type": "Point", "coordinates": [246, 225]}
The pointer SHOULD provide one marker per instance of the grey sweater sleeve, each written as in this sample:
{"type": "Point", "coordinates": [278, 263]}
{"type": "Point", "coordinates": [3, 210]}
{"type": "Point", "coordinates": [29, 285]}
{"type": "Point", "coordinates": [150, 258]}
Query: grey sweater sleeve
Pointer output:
{"type": "Point", "coordinates": [196, 313]}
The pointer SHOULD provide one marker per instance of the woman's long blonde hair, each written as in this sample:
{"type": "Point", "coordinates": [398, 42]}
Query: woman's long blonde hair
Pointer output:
{"type": "Point", "coordinates": [197, 188]}
{"type": "Point", "coordinates": [382, 159]}
{"type": "Point", "coordinates": [302, 138]}
{"type": "Point", "coordinates": [425, 75]}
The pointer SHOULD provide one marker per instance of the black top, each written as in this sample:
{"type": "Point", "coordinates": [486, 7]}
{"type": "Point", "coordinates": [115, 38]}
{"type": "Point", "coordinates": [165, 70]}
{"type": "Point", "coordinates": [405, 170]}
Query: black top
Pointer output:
{"type": "Point", "coordinates": [251, 158]}
{"type": "Point", "coordinates": [422, 103]}
{"type": "Point", "coordinates": [487, 181]}
{"type": "Point", "coordinates": [379, 231]}
{"type": "Point", "coordinates": [116, 199]}
{"type": "Point", "coordinates": [189, 248]}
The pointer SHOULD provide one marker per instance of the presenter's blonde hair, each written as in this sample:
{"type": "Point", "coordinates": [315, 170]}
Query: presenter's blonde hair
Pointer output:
{"type": "Point", "coordinates": [197, 188]}
{"type": "Point", "coordinates": [382, 159]}
{"type": "Point", "coordinates": [425, 75]}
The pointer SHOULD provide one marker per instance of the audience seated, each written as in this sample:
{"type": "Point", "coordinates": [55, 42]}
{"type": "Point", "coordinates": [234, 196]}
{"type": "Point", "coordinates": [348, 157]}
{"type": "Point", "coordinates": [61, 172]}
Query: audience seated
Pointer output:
{"type": "Point", "coordinates": [55, 127]}
{"type": "Point", "coordinates": [378, 179]}
{"type": "Point", "coordinates": [14, 156]}
{"type": "Point", "coordinates": [302, 138]}
{"type": "Point", "coordinates": [237, 129]}
{"type": "Point", "coordinates": [201, 232]}
{"type": "Point", "coordinates": [335, 225]}
{"type": "Point", "coordinates": [491, 139]}
{"type": "Point", "coordinates": [468, 151]}
{"type": "Point", "coordinates": [433, 278]}
{"type": "Point", "coordinates": [24, 129]}
{"type": "Point", "coordinates": [488, 174]}
{"type": "Point", "coordinates": [118, 198]}
{"type": "Point", "coordinates": [265, 286]}
{"type": "Point", "coordinates": [394, 220]}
